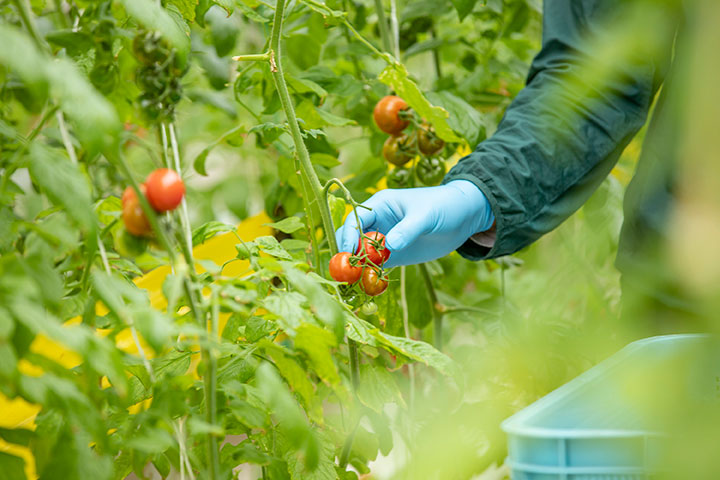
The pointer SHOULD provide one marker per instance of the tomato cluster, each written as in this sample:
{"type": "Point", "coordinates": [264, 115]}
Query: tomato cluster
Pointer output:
{"type": "Point", "coordinates": [164, 190]}
{"type": "Point", "coordinates": [365, 266]}
{"type": "Point", "coordinates": [393, 116]}
{"type": "Point", "coordinates": [158, 75]}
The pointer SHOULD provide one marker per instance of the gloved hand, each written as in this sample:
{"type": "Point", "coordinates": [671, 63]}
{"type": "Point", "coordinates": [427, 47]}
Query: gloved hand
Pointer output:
{"type": "Point", "coordinates": [420, 224]}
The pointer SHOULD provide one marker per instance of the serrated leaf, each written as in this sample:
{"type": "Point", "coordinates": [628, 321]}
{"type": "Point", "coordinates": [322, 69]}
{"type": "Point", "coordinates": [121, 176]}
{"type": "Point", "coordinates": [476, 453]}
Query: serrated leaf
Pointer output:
{"type": "Point", "coordinates": [209, 230]}
{"type": "Point", "coordinates": [396, 76]}
{"type": "Point", "coordinates": [317, 344]}
{"type": "Point", "coordinates": [325, 307]}
{"type": "Point", "coordinates": [272, 247]}
{"type": "Point", "coordinates": [377, 387]}
{"type": "Point", "coordinates": [292, 423]}
{"type": "Point", "coordinates": [295, 376]}
{"type": "Point", "coordinates": [318, 461]}
{"type": "Point", "coordinates": [287, 225]}
{"type": "Point", "coordinates": [464, 119]}
{"type": "Point", "coordinates": [186, 8]}
{"type": "Point", "coordinates": [250, 12]}
{"type": "Point", "coordinates": [288, 306]}
{"type": "Point", "coordinates": [315, 117]}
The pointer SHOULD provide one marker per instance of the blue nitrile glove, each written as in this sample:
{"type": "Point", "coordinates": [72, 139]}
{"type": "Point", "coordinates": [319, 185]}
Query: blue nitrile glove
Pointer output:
{"type": "Point", "coordinates": [420, 224]}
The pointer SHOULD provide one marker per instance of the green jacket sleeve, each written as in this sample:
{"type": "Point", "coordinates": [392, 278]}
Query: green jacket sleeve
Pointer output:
{"type": "Point", "coordinates": [564, 131]}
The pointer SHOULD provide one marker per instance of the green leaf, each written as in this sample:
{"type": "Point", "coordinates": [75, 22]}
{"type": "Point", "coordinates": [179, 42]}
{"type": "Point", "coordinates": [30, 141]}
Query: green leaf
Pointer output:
{"type": "Point", "coordinates": [295, 376]}
{"type": "Point", "coordinates": [396, 76]}
{"type": "Point", "coordinates": [249, 11]}
{"type": "Point", "coordinates": [318, 344]}
{"type": "Point", "coordinates": [244, 452]}
{"type": "Point", "coordinates": [205, 232]}
{"type": "Point", "coordinates": [463, 7]}
{"type": "Point", "coordinates": [18, 436]}
{"type": "Point", "coordinates": [233, 136]}
{"type": "Point", "coordinates": [288, 306]}
{"type": "Point", "coordinates": [377, 387]}
{"type": "Point", "coordinates": [186, 8]}
{"type": "Point", "coordinates": [318, 463]}
{"type": "Point", "coordinates": [337, 209]}
{"type": "Point", "coordinates": [154, 17]}
{"type": "Point", "coordinates": [297, 434]}
{"type": "Point", "coordinates": [287, 225]}
{"type": "Point", "coordinates": [12, 466]}
{"type": "Point", "coordinates": [464, 119]}
{"type": "Point", "coordinates": [303, 85]}
{"type": "Point", "coordinates": [325, 307]}
{"type": "Point", "coordinates": [63, 183]}
{"type": "Point", "coordinates": [420, 308]}
{"type": "Point", "coordinates": [272, 247]}
{"type": "Point", "coordinates": [315, 117]}
{"type": "Point", "coordinates": [324, 159]}
{"type": "Point", "coordinates": [8, 361]}
{"type": "Point", "coordinates": [75, 42]}
{"type": "Point", "coordinates": [420, 352]}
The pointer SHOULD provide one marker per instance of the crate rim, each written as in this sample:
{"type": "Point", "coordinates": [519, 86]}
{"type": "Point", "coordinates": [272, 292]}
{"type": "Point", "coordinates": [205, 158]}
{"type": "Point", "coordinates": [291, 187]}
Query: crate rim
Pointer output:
{"type": "Point", "coordinates": [514, 424]}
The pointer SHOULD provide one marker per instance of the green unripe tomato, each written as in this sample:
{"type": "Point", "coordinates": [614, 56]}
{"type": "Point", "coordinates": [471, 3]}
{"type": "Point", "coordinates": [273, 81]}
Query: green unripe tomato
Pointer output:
{"type": "Point", "coordinates": [130, 246]}
{"type": "Point", "coordinates": [430, 171]}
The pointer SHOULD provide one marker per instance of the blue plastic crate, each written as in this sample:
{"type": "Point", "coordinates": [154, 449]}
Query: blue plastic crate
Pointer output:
{"type": "Point", "coordinates": [612, 422]}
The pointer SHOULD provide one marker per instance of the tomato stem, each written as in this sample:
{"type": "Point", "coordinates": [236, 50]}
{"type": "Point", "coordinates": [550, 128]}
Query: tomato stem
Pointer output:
{"type": "Point", "coordinates": [254, 57]}
{"type": "Point", "coordinates": [210, 389]}
{"type": "Point", "coordinates": [382, 24]}
{"type": "Point", "coordinates": [301, 150]}
{"type": "Point", "coordinates": [437, 312]}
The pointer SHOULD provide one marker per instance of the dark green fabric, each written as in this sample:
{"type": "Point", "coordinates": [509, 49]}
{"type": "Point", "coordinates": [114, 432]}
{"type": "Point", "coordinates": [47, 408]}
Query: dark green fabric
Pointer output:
{"type": "Point", "coordinates": [566, 129]}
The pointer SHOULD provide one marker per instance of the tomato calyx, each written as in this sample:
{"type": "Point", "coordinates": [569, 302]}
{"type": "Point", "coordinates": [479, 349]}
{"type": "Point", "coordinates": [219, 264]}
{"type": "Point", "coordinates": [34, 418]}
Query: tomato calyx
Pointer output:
{"type": "Point", "coordinates": [345, 267]}
{"type": "Point", "coordinates": [429, 143]}
{"type": "Point", "coordinates": [430, 171]}
{"type": "Point", "coordinates": [372, 249]}
{"type": "Point", "coordinates": [399, 150]}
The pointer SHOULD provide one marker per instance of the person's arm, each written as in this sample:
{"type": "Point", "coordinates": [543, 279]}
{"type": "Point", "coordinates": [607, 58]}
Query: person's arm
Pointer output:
{"type": "Point", "coordinates": [565, 130]}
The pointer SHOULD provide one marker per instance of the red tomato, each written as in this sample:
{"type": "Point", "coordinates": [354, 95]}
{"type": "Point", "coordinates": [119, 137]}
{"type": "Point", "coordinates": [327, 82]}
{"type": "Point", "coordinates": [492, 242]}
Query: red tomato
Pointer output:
{"type": "Point", "coordinates": [165, 189]}
{"type": "Point", "coordinates": [342, 269]}
{"type": "Point", "coordinates": [375, 250]}
{"type": "Point", "coordinates": [372, 283]}
{"type": "Point", "coordinates": [387, 115]}
{"type": "Point", "coordinates": [132, 213]}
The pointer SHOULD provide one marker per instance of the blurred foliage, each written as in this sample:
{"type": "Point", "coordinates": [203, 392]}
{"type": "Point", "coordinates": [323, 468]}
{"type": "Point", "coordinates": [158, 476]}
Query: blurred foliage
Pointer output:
{"type": "Point", "coordinates": [81, 81]}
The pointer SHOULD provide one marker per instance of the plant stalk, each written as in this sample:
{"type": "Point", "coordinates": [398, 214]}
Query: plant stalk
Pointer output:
{"type": "Point", "coordinates": [210, 384]}
{"type": "Point", "coordinates": [300, 148]}
{"type": "Point", "coordinates": [382, 24]}
{"type": "Point", "coordinates": [437, 312]}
